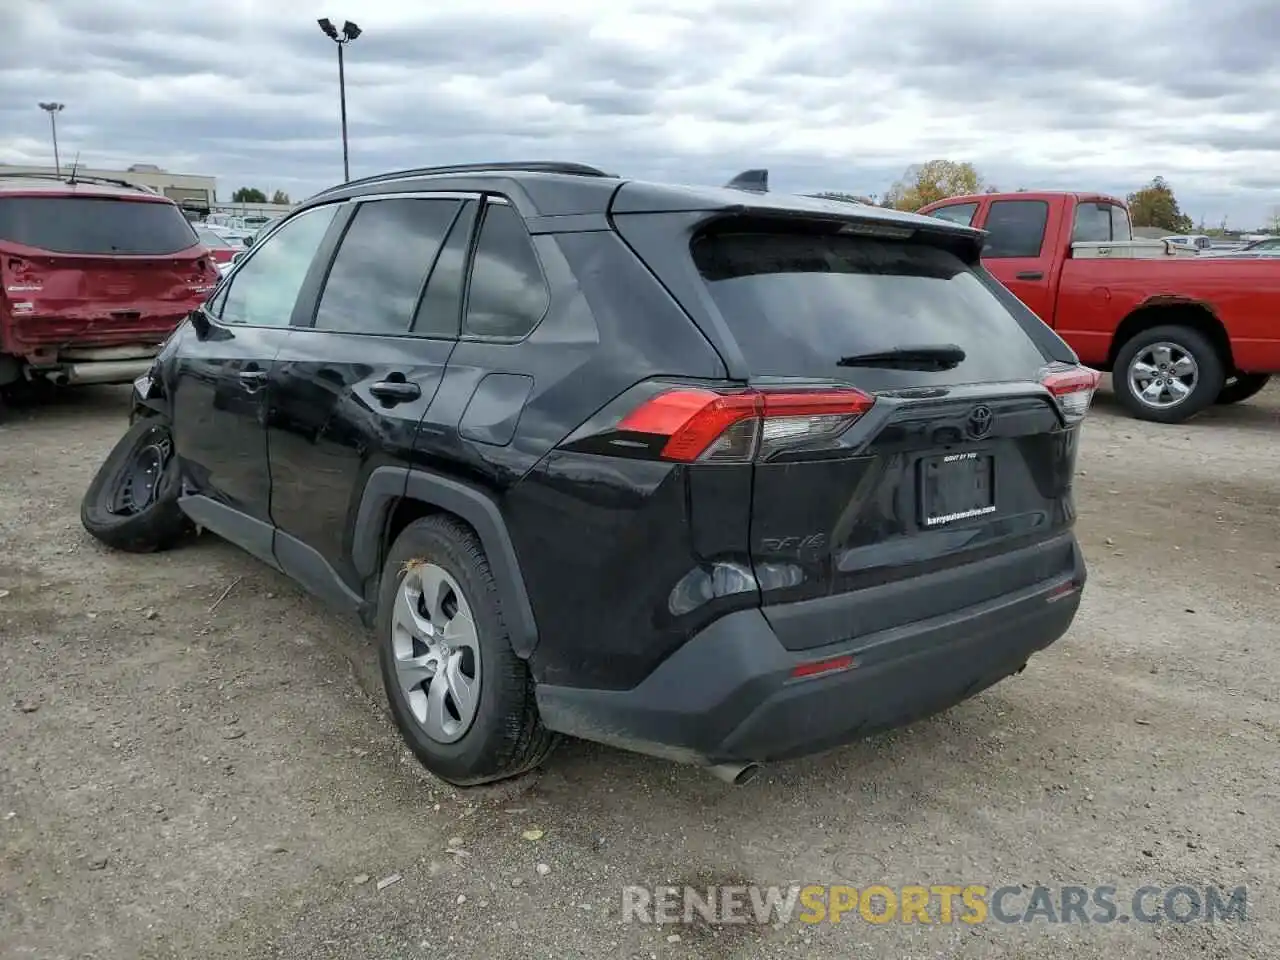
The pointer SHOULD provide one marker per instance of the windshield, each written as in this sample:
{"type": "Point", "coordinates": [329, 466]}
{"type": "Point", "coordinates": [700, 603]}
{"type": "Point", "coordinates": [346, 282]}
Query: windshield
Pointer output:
{"type": "Point", "coordinates": [95, 225]}
{"type": "Point", "coordinates": [797, 303]}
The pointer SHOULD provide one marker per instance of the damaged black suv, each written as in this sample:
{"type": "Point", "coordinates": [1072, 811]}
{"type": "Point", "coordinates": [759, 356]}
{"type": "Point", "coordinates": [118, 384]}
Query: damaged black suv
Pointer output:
{"type": "Point", "coordinates": [715, 474]}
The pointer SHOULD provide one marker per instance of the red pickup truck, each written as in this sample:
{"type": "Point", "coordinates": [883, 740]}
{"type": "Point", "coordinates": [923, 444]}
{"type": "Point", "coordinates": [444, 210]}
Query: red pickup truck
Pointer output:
{"type": "Point", "coordinates": [1177, 332]}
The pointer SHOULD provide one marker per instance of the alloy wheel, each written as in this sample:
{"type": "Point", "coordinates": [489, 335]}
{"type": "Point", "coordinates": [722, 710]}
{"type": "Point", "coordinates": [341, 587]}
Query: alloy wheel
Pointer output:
{"type": "Point", "coordinates": [1163, 375]}
{"type": "Point", "coordinates": [436, 652]}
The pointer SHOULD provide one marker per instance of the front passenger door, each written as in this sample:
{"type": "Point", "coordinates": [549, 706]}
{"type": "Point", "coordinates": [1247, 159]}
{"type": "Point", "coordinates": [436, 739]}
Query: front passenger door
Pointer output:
{"type": "Point", "coordinates": [220, 393]}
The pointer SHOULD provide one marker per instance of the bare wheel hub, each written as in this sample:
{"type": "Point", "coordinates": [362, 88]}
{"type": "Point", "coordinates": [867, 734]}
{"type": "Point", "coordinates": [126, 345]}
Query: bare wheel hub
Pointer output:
{"type": "Point", "coordinates": [139, 481]}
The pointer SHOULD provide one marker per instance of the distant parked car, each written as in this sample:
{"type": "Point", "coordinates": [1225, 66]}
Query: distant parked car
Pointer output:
{"type": "Point", "coordinates": [220, 248]}
{"type": "Point", "coordinates": [1270, 247]}
{"type": "Point", "coordinates": [1198, 242]}
{"type": "Point", "coordinates": [94, 275]}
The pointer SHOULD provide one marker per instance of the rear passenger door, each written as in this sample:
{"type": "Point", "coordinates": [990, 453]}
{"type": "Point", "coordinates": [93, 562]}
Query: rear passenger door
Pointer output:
{"type": "Point", "coordinates": [1017, 254]}
{"type": "Point", "coordinates": [356, 374]}
{"type": "Point", "coordinates": [497, 365]}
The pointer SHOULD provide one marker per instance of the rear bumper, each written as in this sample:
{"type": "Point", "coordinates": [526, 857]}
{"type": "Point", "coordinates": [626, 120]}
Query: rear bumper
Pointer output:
{"type": "Point", "coordinates": [46, 341]}
{"type": "Point", "coordinates": [728, 696]}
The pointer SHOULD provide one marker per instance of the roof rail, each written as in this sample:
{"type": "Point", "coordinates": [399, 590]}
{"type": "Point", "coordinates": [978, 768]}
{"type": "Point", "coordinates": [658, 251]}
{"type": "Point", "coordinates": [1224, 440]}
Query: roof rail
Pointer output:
{"type": "Point", "coordinates": [79, 178]}
{"type": "Point", "coordinates": [753, 181]}
{"type": "Point", "coordinates": [514, 166]}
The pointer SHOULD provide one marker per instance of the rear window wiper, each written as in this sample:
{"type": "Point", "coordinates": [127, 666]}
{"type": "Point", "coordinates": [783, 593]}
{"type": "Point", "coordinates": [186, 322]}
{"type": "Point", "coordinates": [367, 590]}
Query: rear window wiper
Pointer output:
{"type": "Point", "coordinates": [940, 356]}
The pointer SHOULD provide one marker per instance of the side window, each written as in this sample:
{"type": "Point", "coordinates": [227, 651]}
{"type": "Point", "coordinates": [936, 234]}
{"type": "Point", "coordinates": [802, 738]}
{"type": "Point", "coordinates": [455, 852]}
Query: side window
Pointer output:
{"type": "Point", "coordinates": [381, 265]}
{"type": "Point", "coordinates": [1093, 223]}
{"type": "Point", "coordinates": [961, 213]}
{"type": "Point", "coordinates": [265, 287]}
{"type": "Point", "coordinates": [214, 306]}
{"type": "Point", "coordinates": [507, 296]}
{"type": "Point", "coordinates": [1120, 226]}
{"type": "Point", "coordinates": [1015, 228]}
{"type": "Point", "coordinates": [440, 311]}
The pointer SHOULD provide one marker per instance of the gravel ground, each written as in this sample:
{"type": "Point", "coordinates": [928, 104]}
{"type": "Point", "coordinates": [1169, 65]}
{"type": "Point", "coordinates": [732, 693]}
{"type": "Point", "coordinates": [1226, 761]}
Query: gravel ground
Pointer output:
{"type": "Point", "coordinates": [184, 777]}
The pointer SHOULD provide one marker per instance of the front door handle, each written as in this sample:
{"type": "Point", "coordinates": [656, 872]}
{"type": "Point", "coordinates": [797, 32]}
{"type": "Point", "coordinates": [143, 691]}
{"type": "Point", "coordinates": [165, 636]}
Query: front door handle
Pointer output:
{"type": "Point", "coordinates": [251, 380]}
{"type": "Point", "coordinates": [1031, 275]}
{"type": "Point", "coordinates": [395, 391]}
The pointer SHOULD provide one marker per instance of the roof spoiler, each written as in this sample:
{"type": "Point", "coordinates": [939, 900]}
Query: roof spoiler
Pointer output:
{"type": "Point", "coordinates": [753, 181]}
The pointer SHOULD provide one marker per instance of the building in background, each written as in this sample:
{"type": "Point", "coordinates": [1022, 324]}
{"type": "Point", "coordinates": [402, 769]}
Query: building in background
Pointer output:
{"type": "Point", "coordinates": [195, 193]}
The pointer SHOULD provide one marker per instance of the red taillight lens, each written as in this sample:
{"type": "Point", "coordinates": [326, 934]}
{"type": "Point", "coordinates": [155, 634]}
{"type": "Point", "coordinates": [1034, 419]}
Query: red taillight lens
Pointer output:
{"type": "Point", "coordinates": [816, 668]}
{"type": "Point", "coordinates": [705, 425]}
{"type": "Point", "coordinates": [1073, 388]}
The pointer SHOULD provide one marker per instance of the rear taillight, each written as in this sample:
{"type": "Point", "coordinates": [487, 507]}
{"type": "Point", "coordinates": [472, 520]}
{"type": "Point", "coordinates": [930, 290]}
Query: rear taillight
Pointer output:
{"type": "Point", "coordinates": [1072, 387]}
{"type": "Point", "coordinates": [710, 426]}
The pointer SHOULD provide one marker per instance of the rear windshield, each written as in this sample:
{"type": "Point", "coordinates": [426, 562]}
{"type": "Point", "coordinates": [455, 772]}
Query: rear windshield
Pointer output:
{"type": "Point", "coordinates": [95, 225]}
{"type": "Point", "coordinates": [797, 303]}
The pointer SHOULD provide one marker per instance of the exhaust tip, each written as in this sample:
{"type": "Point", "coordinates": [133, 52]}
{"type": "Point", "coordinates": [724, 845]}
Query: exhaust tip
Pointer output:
{"type": "Point", "coordinates": [736, 774]}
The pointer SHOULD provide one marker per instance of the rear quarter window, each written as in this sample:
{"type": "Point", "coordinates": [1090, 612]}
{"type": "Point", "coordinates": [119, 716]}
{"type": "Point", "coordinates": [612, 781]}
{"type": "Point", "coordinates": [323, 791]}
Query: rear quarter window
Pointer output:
{"type": "Point", "coordinates": [796, 303]}
{"type": "Point", "coordinates": [95, 225]}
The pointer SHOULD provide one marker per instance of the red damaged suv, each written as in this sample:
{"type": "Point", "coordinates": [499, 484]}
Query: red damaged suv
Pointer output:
{"type": "Point", "coordinates": [94, 275]}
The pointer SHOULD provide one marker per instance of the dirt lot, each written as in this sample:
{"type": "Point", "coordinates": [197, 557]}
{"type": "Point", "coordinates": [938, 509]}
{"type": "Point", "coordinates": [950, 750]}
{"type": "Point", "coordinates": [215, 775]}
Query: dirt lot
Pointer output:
{"type": "Point", "coordinates": [181, 777]}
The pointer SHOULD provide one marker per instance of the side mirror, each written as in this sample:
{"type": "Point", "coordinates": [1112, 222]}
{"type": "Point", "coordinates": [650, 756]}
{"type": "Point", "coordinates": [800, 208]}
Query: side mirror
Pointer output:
{"type": "Point", "coordinates": [237, 256]}
{"type": "Point", "coordinates": [200, 322]}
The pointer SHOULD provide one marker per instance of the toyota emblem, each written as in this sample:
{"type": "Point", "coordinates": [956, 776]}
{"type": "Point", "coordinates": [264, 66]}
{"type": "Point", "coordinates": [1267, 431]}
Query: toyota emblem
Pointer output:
{"type": "Point", "coordinates": [980, 422]}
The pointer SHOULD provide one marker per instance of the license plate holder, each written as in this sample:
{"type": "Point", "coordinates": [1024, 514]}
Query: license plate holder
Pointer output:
{"type": "Point", "coordinates": [955, 487]}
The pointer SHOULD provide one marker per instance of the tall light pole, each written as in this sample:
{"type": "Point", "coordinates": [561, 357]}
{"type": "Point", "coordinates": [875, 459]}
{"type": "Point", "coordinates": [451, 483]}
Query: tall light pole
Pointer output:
{"type": "Point", "coordinates": [53, 109]}
{"type": "Point", "coordinates": [349, 32]}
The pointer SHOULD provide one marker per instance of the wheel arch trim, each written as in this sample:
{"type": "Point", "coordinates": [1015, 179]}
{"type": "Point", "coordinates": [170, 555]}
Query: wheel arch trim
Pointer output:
{"type": "Point", "coordinates": [387, 486]}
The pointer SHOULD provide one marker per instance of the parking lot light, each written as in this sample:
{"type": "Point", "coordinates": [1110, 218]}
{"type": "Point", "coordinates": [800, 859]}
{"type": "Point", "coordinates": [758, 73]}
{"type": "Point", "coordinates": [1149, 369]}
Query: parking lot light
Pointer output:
{"type": "Point", "coordinates": [53, 109]}
{"type": "Point", "coordinates": [349, 32]}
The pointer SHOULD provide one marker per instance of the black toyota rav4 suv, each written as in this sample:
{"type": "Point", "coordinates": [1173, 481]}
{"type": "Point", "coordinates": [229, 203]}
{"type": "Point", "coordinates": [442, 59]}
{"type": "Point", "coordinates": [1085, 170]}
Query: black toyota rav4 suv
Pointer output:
{"type": "Point", "coordinates": [710, 473]}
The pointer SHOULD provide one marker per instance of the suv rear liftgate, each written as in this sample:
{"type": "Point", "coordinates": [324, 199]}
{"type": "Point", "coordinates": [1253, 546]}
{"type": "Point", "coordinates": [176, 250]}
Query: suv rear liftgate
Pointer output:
{"type": "Point", "coordinates": [909, 432]}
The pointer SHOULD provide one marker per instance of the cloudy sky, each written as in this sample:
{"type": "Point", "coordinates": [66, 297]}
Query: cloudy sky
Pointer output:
{"type": "Point", "coordinates": [838, 95]}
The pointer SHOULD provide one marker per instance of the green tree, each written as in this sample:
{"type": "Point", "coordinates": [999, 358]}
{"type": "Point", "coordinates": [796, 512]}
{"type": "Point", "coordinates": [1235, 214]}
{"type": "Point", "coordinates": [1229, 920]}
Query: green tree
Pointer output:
{"type": "Point", "coordinates": [248, 195]}
{"type": "Point", "coordinates": [936, 180]}
{"type": "Point", "coordinates": [1156, 206]}
{"type": "Point", "coordinates": [280, 197]}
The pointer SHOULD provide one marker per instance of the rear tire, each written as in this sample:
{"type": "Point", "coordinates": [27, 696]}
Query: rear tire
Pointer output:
{"type": "Point", "coordinates": [461, 698]}
{"type": "Point", "coordinates": [1241, 387]}
{"type": "Point", "coordinates": [132, 501]}
{"type": "Point", "coordinates": [1167, 374]}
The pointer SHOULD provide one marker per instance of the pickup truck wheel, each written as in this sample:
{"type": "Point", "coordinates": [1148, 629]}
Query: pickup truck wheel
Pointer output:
{"type": "Point", "coordinates": [1241, 387]}
{"type": "Point", "coordinates": [1167, 374]}
{"type": "Point", "coordinates": [132, 502]}
{"type": "Point", "coordinates": [461, 698]}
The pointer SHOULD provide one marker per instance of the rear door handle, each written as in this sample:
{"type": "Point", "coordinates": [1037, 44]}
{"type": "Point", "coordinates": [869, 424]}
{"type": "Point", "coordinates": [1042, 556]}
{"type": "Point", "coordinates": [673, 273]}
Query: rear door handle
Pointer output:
{"type": "Point", "coordinates": [395, 391]}
{"type": "Point", "coordinates": [1030, 275]}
